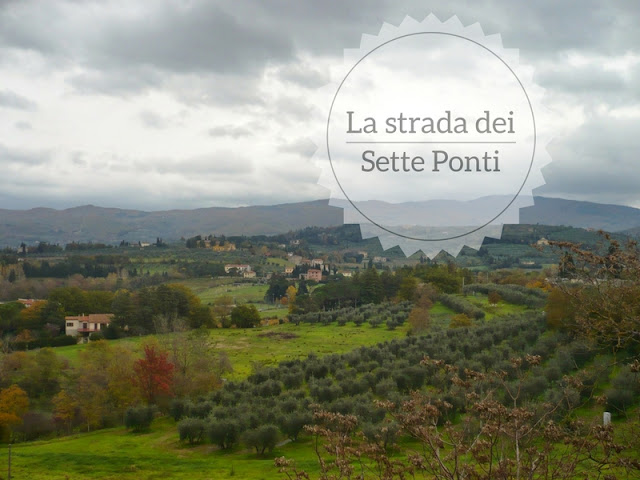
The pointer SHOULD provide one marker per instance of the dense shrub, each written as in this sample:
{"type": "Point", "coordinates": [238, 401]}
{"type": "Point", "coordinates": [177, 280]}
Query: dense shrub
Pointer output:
{"type": "Point", "coordinates": [263, 438]}
{"type": "Point", "coordinates": [35, 425]}
{"type": "Point", "coordinates": [59, 341]}
{"type": "Point", "coordinates": [192, 430]}
{"type": "Point", "coordinates": [515, 294]}
{"type": "Point", "coordinates": [384, 434]}
{"type": "Point", "coordinates": [460, 305]}
{"type": "Point", "coordinates": [178, 408]}
{"type": "Point", "coordinates": [292, 424]}
{"type": "Point", "coordinates": [95, 336]}
{"type": "Point", "coordinates": [224, 432]}
{"type": "Point", "coordinates": [139, 418]}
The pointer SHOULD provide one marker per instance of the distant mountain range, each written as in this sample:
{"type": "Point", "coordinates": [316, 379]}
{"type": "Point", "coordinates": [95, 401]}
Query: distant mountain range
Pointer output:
{"type": "Point", "coordinates": [573, 213]}
{"type": "Point", "coordinates": [111, 225]}
{"type": "Point", "coordinates": [436, 213]}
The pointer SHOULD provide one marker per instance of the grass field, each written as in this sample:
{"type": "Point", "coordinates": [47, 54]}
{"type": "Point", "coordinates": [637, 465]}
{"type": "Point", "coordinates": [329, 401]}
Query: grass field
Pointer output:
{"type": "Point", "coordinates": [269, 345]}
{"type": "Point", "coordinates": [117, 454]}
{"type": "Point", "coordinates": [210, 289]}
{"type": "Point", "coordinates": [492, 311]}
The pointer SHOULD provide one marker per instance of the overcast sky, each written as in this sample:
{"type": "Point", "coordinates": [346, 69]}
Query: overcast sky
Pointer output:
{"type": "Point", "coordinates": [185, 104]}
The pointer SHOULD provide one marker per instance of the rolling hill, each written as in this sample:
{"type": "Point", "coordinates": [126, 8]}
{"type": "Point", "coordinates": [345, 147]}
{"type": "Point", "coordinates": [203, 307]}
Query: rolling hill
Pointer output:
{"type": "Point", "coordinates": [111, 225]}
{"type": "Point", "coordinates": [558, 211]}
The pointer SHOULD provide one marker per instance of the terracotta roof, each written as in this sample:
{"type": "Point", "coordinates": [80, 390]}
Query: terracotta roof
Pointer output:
{"type": "Point", "coordinates": [105, 318]}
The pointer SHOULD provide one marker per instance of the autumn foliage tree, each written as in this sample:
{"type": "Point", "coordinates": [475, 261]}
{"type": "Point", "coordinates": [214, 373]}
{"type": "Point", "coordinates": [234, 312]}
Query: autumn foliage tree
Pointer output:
{"type": "Point", "coordinates": [14, 403]}
{"type": "Point", "coordinates": [494, 298]}
{"type": "Point", "coordinates": [603, 300]}
{"type": "Point", "coordinates": [420, 318]}
{"type": "Point", "coordinates": [291, 297]}
{"type": "Point", "coordinates": [153, 374]}
{"type": "Point", "coordinates": [64, 410]}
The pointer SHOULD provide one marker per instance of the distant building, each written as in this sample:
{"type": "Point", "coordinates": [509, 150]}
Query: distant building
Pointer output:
{"type": "Point", "coordinates": [314, 274]}
{"type": "Point", "coordinates": [241, 268]}
{"type": "Point", "coordinates": [224, 247]}
{"type": "Point", "coordinates": [379, 259]}
{"type": "Point", "coordinates": [84, 325]}
{"type": "Point", "coordinates": [249, 274]}
{"type": "Point", "coordinates": [345, 274]}
{"type": "Point", "coordinates": [317, 262]}
{"type": "Point", "coordinates": [288, 270]}
{"type": "Point", "coordinates": [542, 242]}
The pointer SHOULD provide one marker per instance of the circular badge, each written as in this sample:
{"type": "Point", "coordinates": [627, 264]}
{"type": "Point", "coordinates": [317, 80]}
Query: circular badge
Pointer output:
{"type": "Point", "coordinates": [431, 135]}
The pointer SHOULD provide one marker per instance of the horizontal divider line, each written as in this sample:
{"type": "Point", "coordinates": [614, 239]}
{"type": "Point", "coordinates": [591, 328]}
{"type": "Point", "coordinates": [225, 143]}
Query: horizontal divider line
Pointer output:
{"type": "Point", "coordinates": [372, 141]}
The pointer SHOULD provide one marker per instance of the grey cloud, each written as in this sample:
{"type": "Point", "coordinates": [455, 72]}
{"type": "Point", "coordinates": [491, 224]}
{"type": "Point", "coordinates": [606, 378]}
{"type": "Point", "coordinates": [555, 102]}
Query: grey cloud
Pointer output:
{"type": "Point", "coordinates": [216, 89]}
{"type": "Point", "coordinates": [23, 125]}
{"type": "Point", "coordinates": [79, 159]}
{"type": "Point", "coordinates": [588, 78]}
{"type": "Point", "coordinates": [129, 52]}
{"type": "Point", "coordinates": [202, 38]}
{"type": "Point", "coordinates": [152, 119]}
{"type": "Point", "coordinates": [244, 35]}
{"type": "Point", "coordinates": [598, 161]}
{"type": "Point", "coordinates": [302, 146]}
{"type": "Point", "coordinates": [22, 157]}
{"type": "Point", "coordinates": [233, 131]}
{"type": "Point", "coordinates": [11, 99]}
{"type": "Point", "coordinates": [215, 164]}
{"type": "Point", "coordinates": [294, 109]}
{"type": "Point", "coordinates": [304, 74]}
{"type": "Point", "coordinates": [591, 85]}
{"type": "Point", "coordinates": [123, 82]}
{"type": "Point", "coordinates": [215, 53]}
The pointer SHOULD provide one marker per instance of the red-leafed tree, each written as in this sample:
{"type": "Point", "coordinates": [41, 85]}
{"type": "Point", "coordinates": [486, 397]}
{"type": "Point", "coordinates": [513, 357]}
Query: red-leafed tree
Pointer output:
{"type": "Point", "coordinates": [153, 374]}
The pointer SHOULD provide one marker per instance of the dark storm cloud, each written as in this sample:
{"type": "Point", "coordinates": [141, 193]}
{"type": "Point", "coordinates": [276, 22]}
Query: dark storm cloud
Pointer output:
{"type": "Point", "coordinates": [202, 38]}
{"type": "Point", "coordinates": [199, 36]}
{"type": "Point", "coordinates": [11, 99]}
{"type": "Point", "coordinates": [131, 50]}
{"type": "Point", "coordinates": [243, 36]}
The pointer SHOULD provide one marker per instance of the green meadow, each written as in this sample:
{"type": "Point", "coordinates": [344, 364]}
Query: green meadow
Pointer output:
{"type": "Point", "coordinates": [114, 454]}
{"type": "Point", "coordinates": [269, 345]}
